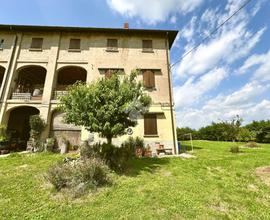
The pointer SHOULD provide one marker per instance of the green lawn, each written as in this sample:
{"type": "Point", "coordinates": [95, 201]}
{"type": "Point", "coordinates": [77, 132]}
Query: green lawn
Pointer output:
{"type": "Point", "coordinates": [215, 185]}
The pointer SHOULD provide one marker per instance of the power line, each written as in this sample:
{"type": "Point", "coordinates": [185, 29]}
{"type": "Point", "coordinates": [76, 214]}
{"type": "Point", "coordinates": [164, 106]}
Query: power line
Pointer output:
{"type": "Point", "coordinates": [211, 33]}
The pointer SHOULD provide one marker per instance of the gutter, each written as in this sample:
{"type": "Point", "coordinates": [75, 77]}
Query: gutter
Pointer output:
{"type": "Point", "coordinates": [170, 92]}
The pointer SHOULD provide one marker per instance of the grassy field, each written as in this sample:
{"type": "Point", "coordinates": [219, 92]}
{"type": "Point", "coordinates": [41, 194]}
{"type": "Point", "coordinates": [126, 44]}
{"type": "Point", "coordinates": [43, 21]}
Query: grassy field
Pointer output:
{"type": "Point", "coordinates": [215, 185]}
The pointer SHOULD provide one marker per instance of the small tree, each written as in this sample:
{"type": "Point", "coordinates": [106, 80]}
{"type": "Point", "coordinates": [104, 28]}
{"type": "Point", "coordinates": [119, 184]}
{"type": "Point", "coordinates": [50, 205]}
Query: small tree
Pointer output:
{"type": "Point", "coordinates": [37, 125]}
{"type": "Point", "coordinates": [107, 106]}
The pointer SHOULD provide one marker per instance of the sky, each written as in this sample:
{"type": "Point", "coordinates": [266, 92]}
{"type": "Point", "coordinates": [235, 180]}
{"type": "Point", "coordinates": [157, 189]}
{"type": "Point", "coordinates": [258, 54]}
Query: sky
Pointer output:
{"type": "Point", "coordinates": [227, 75]}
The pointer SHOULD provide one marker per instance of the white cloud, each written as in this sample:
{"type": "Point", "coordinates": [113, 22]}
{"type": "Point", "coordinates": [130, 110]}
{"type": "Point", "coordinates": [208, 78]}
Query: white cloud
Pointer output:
{"type": "Point", "coordinates": [243, 102]}
{"type": "Point", "coordinates": [261, 64]}
{"type": "Point", "coordinates": [153, 11]}
{"type": "Point", "coordinates": [173, 19]}
{"type": "Point", "coordinates": [193, 90]}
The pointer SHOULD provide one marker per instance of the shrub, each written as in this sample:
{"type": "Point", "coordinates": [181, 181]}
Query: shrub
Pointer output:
{"type": "Point", "coordinates": [251, 144]}
{"type": "Point", "coordinates": [235, 149]}
{"type": "Point", "coordinates": [79, 176]}
{"type": "Point", "coordinates": [115, 157]}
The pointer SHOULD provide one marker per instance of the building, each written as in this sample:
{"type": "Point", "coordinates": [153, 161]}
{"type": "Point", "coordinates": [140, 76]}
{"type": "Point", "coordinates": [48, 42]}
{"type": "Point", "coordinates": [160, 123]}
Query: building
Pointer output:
{"type": "Point", "coordinates": [37, 63]}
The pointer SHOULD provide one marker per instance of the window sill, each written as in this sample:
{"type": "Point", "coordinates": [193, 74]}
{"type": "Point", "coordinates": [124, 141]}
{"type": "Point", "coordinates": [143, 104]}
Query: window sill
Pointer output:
{"type": "Point", "coordinates": [111, 50]}
{"type": "Point", "coordinates": [74, 50]}
{"type": "Point", "coordinates": [150, 88]}
{"type": "Point", "coordinates": [147, 51]}
{"type": "Point", "coordinates": [35, 49]}
{"type": "Point", "coordinates": [151, 135]}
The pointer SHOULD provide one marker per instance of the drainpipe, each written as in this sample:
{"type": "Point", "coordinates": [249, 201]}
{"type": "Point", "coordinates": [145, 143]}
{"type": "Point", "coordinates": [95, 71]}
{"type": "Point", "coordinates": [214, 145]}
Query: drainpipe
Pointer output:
{"type": "Point", "coordinates": [170, 92]}
{"type": "Point", "coordinates": [9, 66]}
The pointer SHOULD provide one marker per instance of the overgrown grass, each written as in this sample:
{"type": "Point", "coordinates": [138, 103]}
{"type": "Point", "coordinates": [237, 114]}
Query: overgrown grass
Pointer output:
{"type": "Point", "coordinates": [216, 185]}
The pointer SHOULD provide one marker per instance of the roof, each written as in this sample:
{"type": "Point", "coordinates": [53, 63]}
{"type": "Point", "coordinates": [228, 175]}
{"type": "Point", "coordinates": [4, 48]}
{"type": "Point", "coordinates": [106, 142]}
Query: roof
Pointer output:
{"type": "Point", "coordinates": [171, 33]}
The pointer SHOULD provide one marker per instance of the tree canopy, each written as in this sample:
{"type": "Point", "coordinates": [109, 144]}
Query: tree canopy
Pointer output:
{"type": "Point", "coordinates": [107, 106]}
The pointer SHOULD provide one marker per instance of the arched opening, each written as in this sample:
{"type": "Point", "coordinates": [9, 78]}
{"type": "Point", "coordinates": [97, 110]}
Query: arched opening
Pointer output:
{"type": "Point", "coordinates": [59, 129]}
{"type": "Point", "coordinates": [67, 76]}
{"type": "Point", "coordinates": [18, 125]}
{"type": "Point", "coordinates": [30, 82]}
{"type": "Point", "coordinates": [2, 73]}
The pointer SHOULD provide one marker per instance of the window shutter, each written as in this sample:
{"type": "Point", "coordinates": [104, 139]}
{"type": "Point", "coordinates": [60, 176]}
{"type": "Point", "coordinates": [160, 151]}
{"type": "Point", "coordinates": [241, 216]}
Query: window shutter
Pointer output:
{"type": "Point", "coordinates": [75, 44]}
{"type": "Point", "coordinates": [37, 43]}
{"type": "Point", "coordinates": [112, 44]}
{"type": "Point", "coordinates": [147, 45]}
{"type": "Point", "coordinates": [108, 73]}
{"type": "Point", "coordinates": [149, 79]}
{"type": "Point", "coordinates": [150, 124]}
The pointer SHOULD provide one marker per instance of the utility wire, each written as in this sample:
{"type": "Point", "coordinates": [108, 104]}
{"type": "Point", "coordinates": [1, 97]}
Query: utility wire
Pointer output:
{"type": "Point", "coordinates": [211, 33]}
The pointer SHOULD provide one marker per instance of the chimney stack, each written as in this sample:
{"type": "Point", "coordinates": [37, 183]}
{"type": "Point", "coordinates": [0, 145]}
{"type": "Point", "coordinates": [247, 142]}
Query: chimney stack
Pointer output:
{"type": "Point", "coordinates": [126, 25]}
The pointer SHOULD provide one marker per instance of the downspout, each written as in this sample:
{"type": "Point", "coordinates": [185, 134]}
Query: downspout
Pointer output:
{"type": "Point", "coordinates": [170, 92]}
{"type": "Point", "coordinates": [9, 66]}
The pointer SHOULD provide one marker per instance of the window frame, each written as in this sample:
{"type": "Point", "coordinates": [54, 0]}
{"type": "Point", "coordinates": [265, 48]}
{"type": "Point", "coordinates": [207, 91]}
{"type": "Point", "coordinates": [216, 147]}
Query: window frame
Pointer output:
{"type": "Point", "coordinates": [147, 127]}
{"type": "Point", "coordinates": [149, 83]}
{"type": "Point", "coordinates": [31, 48]}
{"type": "Point", "coordinates": [74, 49]}
{"type": "Point", "coordinates": [112, 48]}
{"type": "Point", "coordinates": [147, 49]}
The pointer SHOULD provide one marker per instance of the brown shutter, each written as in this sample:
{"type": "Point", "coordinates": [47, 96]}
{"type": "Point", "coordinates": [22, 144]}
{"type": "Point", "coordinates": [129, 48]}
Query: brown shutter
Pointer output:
{"type": "Point", "coordinates": [112, 44]}
{"type": "Point", "coordinates": [147, 45]}
{"type": "Point", "coordinates": [149, 79]}
{"type": "Point", "coordinates": [150, 124]}
{"type": "Point", "coordinates": [37, 43]}
{"type": "Point", "coordinates": [75, 44]}
{"type": "Point", "coordinates": [108, 73]}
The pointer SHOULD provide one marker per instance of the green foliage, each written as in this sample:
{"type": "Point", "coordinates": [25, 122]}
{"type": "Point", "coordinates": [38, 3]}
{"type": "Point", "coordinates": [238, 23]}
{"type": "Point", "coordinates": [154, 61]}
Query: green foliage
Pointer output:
{"type": "Point", "coordinates": [115, 157]}
{"type": "Point", "coordinates": [245, 135]}
{"type": "Point", "coordinates": [37, 125]}
{"type": "Point", "coordinates": [261, 130]}
{"type": "Point", "coordinates": [182, 133]}
{"type": "Point", "coordinates": [3, 133]}
{"type": "Point", "coordinates": [235, 149]}
{"type": "Point", "coordinates": [132, 143]}
{"type": "Point", "coordinates": [79, 176]}
{"type": "Point", "coordinates": [105, 106]}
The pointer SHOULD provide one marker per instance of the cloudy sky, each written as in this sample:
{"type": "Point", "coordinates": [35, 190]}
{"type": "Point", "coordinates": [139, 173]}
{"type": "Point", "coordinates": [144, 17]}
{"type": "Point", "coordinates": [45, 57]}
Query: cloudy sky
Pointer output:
{"type": "Point", "coordinates": [228, 74]}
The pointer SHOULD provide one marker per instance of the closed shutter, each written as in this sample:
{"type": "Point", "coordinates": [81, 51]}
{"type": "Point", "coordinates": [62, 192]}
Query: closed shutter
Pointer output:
{"type": "Point", "coordinates": [75, 44]}
{"type": "Point", "coordinates": [147, 45]}
{"type": "Point", "coordinates": [149, 79]}
{"type": "Point", "coordinates": [112, 44]}
{"type": "Point", "coordinates": [150, 124]}
{"type": "Point", "coordinates": [36, 43]}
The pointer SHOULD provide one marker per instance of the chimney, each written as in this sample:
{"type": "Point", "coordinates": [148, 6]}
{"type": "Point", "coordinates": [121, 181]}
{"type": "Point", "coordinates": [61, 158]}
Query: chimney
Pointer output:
{"type": "Point", "coordinates": [126, 25]}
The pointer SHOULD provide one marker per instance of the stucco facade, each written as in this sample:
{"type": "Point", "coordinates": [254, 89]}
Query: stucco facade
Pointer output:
{"type": "Point", "coordinates": [17, 59]}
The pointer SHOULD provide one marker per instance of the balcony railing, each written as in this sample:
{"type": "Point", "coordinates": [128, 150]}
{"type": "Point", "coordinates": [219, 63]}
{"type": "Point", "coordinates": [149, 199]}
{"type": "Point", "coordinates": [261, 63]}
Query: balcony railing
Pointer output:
{"type": "Point", "coordinates": [27, 95]}
{"type": "Point", "coordinates": [59, 93]}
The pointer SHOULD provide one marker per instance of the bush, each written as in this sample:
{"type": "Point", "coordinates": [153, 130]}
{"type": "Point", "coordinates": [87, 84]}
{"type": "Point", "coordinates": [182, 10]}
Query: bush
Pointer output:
{"type": "Point", "coordinates": [131, 144]}
{"type": "Point", "coordinates": [79, 176]}
{"type": "Point", "coordinates": [115, 157]}
{"type": "Point", "coordinates": [251, 144]}
{"type": "Point", "coordinates": [235, 149]}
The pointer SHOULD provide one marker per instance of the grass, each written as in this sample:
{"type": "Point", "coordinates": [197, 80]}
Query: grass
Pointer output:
{"type": "Point", "coordinates": [215, 185]}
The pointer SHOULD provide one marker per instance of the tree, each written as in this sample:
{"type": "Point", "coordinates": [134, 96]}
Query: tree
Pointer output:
{"type": "Point", "coordinates": [182, 133]}
{"type": "Point", "coordinates": [107, 106]}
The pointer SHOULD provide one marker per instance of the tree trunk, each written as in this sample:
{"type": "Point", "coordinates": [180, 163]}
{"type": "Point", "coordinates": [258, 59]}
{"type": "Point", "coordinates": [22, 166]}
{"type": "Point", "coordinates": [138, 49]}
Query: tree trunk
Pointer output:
{"type": "Point", "coordinates": [109, 139]}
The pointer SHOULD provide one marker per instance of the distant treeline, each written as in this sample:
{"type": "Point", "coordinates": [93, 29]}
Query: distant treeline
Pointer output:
{"type": "Point", "coordinates": [258, 131]}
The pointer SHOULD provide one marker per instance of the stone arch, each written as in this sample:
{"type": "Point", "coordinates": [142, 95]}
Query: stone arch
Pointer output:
{"type": "Point", "coordinates": [18, 124]}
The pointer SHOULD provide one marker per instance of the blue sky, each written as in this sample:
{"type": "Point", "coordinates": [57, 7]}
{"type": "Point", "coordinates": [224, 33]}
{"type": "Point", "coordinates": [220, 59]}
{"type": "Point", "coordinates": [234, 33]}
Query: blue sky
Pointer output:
{"type": "Point", "coordinates": [228, 74]}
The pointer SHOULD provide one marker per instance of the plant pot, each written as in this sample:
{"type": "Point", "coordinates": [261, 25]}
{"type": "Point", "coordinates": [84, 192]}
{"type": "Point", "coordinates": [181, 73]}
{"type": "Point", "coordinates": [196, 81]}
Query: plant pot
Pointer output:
{"type": "Point", "coordinates": [148, 153]}
{"type": "Point", "coordinates": [139, 152]}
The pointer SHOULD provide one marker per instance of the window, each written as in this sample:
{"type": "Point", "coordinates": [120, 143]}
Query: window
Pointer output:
{"type": "Point", "coordinates": [1, 44]}
{"type": "Point", "coordinates": [147, 46]}
{"type": "Point", "coordinates": [150, 124]}
{"type": "Point", "coordinates": [75, 44]}
{"type": "Point", "coordinates": [108, 72]}
{"type": "Point", "coordinates": [36, 43]}
{"type": "Point", "coordinates": [148, 79]}
{"type": "Point", "coordinates": [112, 45]}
